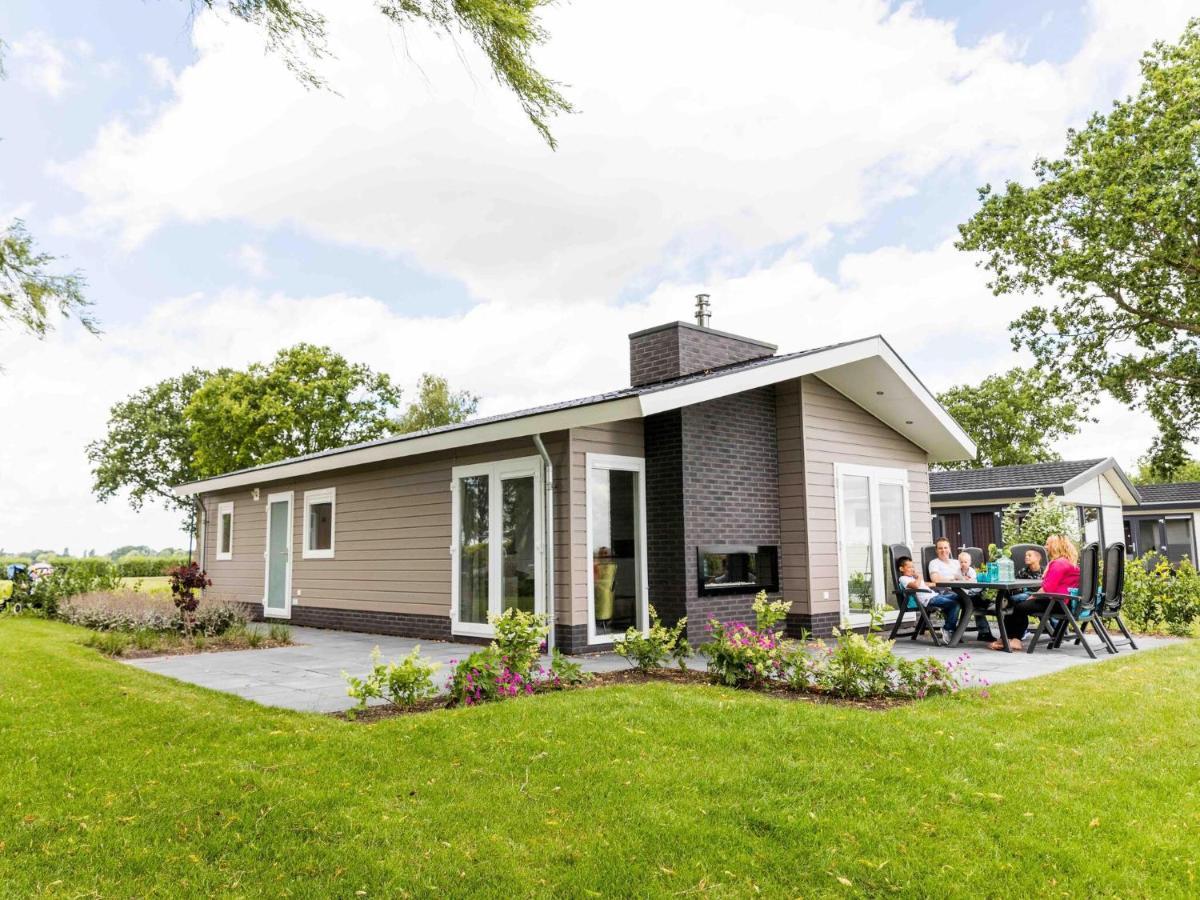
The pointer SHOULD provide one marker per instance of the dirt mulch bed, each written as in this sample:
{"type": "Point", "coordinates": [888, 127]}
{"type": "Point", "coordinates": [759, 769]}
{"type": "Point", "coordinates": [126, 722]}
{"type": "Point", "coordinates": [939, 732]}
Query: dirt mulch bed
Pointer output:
{"type": "Point", "coordinates": [634, 676]}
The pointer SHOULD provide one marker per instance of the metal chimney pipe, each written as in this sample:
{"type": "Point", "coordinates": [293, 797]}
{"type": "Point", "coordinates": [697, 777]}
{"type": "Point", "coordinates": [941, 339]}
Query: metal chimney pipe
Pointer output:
{"type": "Point", "coordinates": [703, 310]}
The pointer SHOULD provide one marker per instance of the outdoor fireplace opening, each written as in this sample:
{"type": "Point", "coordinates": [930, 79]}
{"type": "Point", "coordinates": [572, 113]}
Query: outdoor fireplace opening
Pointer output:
{"type": "Point", "coordinates": [737, 568]}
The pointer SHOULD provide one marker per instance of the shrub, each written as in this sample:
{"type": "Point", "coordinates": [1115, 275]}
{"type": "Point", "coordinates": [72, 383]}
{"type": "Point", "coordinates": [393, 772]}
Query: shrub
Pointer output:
{"type": "Point", "coordinates": [1161, 598]}
{"type": "Point", "coordinates": [51, 590]}
{"type": "Point", "coordinates": [769, 614]}
{"type": "Point", "coordinates": [477, 679]}
{"type": "Point", "coordinates": [280, 633]}
{"type": "Point", "coordinates": [185, 582]}
{"type": "Point", "coordinates": [130, 611]}
{"type": "Point", "coordinates": [148, 566]}
{"type": "Point", "coordinates": [401, 684]}
{"type": "Point", "coordinates": [564, 671]}
{"type": "Point", "coordinates": [1045, 516]}
{"type": "Point", "coordinates": [520, 638]}
{"type": "Point", "coordinates": [649, 651]}
{"type": "Point", "coordinates": [110, 643]}
{"type": "Point", "coordinates": [741, 656]}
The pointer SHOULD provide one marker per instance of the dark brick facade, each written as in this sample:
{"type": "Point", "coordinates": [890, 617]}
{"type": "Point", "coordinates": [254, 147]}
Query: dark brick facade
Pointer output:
{"type": "Point", "coordinates": [712, 478]}
{"type": "Point", "coordinates": [432, 628]}
{"type": "Point", "coordinates": [816, 624]}
{"type": "Point", "coordinates": [572, 638]}
{"type": "Point", "coordinates": [680, 348]}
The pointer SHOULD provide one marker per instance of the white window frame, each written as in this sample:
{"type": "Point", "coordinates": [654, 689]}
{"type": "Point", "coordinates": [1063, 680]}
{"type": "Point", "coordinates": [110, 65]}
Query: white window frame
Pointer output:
{"type": "Point", "coordinates": [623, 464]}
{"type": "Point", "coordinates": [286, 612]}
{"type": "Point", "coordinates": [321, 495]}
{"type": "Point", "coordinates": [497, 472]}
{"type": "Point", "coordinates": [877, 475]}
{"type": "Point", "coordinates": [222, 509]}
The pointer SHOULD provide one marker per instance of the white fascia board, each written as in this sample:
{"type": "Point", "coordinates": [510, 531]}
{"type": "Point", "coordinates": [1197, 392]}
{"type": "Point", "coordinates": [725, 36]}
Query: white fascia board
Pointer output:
{"type": "Point", "coordinates": [555, 420]}
{"type": "Point", "coordinates": [1111, 472]}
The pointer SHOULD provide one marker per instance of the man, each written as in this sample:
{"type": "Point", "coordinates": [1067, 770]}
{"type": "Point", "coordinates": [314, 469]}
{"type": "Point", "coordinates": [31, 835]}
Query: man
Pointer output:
{"type": "Point", "coordinates": [945, 569]}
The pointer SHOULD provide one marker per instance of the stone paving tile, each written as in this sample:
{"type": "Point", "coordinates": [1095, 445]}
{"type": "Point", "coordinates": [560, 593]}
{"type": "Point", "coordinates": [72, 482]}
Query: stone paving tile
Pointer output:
{"type": "Point", "coordinates": [308, 675]}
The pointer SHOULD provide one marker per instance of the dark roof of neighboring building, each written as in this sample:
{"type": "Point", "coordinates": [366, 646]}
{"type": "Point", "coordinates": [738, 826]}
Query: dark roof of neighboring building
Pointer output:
{"type": "Point", "coordinates": [1027, 477]}
{"type": "Point", "coordinates": [1184, 493]}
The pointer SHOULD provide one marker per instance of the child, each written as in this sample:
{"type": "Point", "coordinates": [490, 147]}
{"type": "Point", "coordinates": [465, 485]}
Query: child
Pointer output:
{"type": "Point", "coordinates": [927, 596]}
{"type": "Point", "coordinates": [1033, 566]}
{"type": "Point", "coordinates": [966, 572]}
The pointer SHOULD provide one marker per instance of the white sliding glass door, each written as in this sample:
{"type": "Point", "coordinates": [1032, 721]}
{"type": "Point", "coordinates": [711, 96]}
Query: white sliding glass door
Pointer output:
{"type": "Point", "coordinates": [872, 512]}
{"type": "Point", "coordinates": [616, 530]}
{"type": "Point", "coordinates": [497, 548]}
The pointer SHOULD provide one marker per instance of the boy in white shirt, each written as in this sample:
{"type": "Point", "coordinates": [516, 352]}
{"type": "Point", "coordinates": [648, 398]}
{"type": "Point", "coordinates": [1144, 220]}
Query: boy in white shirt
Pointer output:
{"type": "Point", "coordinates": [965, 571]}
{"type": "Point", "coordinates": [927, 596]}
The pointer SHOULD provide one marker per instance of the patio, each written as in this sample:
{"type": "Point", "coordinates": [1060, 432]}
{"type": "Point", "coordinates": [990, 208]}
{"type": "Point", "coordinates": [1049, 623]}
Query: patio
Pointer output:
{"type": "Point", "coordinates": [308, 675]}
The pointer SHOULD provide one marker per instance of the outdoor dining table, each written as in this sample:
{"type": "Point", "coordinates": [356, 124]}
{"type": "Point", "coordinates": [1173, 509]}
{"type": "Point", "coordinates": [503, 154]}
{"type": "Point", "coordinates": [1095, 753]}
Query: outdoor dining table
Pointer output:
{"type": "Point", "coordinates": [969, 592]}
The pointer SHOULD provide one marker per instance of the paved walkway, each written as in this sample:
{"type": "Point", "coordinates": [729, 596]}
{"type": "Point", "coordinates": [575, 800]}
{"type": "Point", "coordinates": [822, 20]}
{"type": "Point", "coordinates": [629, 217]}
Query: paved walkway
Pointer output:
{"type": "Point", "coordinates": [308, 675]}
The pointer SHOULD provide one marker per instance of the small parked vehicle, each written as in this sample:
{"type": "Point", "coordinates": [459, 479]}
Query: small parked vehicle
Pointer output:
{"type": "Point", "coordinates": [22, 588]}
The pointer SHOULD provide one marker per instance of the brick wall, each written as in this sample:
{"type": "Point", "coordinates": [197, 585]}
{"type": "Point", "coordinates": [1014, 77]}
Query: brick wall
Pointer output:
{"type": "Point", "coordinates": [712, 478]}
{"type": "Point", "coordinates": [680, 348]}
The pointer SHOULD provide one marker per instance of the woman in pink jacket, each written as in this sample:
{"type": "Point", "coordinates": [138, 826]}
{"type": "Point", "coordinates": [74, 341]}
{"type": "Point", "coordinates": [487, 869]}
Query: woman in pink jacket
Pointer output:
{"type": "Point", "coordinates": [1062, 574]}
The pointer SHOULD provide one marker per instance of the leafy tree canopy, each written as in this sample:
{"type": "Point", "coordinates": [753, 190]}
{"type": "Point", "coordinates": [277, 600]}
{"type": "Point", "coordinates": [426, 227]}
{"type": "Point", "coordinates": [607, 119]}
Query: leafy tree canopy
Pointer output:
{"type": "Point", "coordinates": [31, 292]}
{"type": "Point", "coordinates": [1148, 471]}
{"type": "Point", "coordinates": [507, 31]}
{"type": "Point", "coordinates": [1035, 523]}
{"type": "Point", "coordinates": [201, 424]}
{"type": "Point", "coordinates": [1015, 417]}
{"type": "Point", "coordinates": [306, 400]}
{"type": "Point", "coordinates": [1113, 227]}
{"type": "Point", "coordinates": [437, 405]}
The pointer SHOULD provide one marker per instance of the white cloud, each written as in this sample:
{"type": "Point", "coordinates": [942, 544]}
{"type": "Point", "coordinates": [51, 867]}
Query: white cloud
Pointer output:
{"type": "Point", "coordinates": [253, 260]}
{"type": "Point", "coordinates": [160, 70]}
{"type": "Point", "coordinates": [753, 125]}
{"type": "Point", "coordinates": [41, 63]}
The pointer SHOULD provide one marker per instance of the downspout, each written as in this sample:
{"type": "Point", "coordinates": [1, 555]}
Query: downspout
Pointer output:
{"type": "Point", "coordinates": [201, 530]}
{"type": "Point", "coordinates": [548, 539]}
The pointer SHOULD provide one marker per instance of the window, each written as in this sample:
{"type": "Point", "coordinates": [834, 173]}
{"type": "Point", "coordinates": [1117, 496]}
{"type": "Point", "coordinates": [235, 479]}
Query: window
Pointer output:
{"type": "Point", "coordinates": [872, 512]}
{"type": "Point", "coordinates": [737, 570]}
{"type": "Point", "coordinates": [318, 524]}
{"type": "Point", "coordinates": [616, 515]}
{"type": "Point", "coordinates": [497, 542]}
{"type": "Point", "coordinates": [225, 531]}
{"type": "Point", "coordinates": [1092, 523]}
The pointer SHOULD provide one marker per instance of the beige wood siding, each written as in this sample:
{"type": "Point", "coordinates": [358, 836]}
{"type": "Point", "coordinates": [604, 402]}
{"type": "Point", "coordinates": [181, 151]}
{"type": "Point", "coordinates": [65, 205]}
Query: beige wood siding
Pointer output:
{"type": "Point", "coordinates": [835, 430]}
{"type": "Point", "coordinates": [614, 438]}
{"type": "Point", "coordinates": [392, 532]}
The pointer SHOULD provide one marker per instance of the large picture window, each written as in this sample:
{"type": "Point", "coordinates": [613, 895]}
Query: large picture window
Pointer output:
{"type": "Point", "coordinates": [319, 523]}
{"type": "Point", "coordinates": [872, 512]}
{"type": "Point", "coordinates": [225, 531]}
{"type": "Point", "coordinates": [616, 510]}
{"type": "Point", "coordinates": [497, 543]}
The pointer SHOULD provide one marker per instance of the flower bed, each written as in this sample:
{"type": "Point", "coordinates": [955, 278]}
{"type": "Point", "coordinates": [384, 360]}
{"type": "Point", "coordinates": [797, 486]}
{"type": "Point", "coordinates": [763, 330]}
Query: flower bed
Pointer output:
{"type": "Point", "coordinates": [125, 610]}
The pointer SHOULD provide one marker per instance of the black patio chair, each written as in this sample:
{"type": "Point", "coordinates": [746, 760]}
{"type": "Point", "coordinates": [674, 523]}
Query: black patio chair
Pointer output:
{"type": "Point", "coordinates": [977, 560]}
{"type": "Point", "coordinates": [1064, 612]}
{"type": "Point", "coordinates": [928, 555]}
{"type": "Point", "coordinates": [906, 601]}
{"type": "Point", "coordinates": [1017, 555]}
{"type": "Point", "coordinates": [1112, 596]}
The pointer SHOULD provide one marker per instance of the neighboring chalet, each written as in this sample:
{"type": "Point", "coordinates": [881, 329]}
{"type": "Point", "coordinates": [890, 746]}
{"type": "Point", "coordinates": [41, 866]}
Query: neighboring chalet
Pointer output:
{"type": "Point", "coordinates": [721, 470]}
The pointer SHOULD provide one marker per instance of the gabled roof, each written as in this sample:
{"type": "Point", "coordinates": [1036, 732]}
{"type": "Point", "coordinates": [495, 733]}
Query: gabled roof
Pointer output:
{"type": "Point", "coordinates": [1184, 493]}
{"type": "Point", "coordinates": [868, 371]}
{"type": "Point", "coordinates": [1058, 477]}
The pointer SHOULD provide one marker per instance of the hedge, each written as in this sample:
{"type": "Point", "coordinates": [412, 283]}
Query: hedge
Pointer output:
{"type": "Point", "coordinates": [126, 567]}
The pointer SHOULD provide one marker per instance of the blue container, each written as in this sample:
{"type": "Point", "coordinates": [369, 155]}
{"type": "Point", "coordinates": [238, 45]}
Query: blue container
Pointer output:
{"type": "Point", "coordinates": [993, 572]}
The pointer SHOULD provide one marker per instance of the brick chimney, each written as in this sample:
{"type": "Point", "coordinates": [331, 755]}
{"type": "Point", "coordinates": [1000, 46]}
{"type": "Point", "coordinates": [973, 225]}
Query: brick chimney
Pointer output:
{"type": "Point", "coordinates": [681, 348]}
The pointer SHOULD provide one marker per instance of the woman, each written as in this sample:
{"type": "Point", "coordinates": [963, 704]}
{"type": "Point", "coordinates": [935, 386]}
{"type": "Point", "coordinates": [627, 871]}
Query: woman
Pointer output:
{"type": "Point", "coordinates": [1062, 574]}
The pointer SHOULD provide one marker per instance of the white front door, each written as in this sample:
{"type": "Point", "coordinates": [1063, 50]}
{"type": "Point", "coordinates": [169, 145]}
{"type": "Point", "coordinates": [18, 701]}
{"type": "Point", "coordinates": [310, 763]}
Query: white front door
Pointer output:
{"type": "Point", "coordinates": [277, 597]}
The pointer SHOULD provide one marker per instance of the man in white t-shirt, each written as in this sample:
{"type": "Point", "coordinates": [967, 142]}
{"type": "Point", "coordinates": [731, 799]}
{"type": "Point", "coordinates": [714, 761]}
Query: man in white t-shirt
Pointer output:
{"type": "Point", "coordinates": [944, 568]}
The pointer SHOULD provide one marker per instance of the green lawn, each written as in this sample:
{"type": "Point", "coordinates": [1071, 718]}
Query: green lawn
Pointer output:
{"type": "Point", "coordinates": [114, 782]}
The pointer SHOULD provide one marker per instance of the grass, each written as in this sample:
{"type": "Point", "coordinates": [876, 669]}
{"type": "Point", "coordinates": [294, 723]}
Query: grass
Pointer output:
{"type": "Point", "coordinates": [115, 782]}
{"type": "Point", "coordinates": [155, 585]}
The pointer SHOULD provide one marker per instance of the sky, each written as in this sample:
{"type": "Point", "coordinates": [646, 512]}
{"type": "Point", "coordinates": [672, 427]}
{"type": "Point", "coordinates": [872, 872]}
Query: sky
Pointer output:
{"type": "Point", "coordinates": [805, 164]}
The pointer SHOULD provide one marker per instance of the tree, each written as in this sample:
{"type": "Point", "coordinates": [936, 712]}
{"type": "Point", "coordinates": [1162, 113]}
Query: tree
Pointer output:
{"type": "Point", "coordinates": [148, 446]}
{"type": "Point", "coordinates": [1148, 473]}
{"type": "Point", "coordinates": [1113, 227]}
{"type": "Point", "coordinates": [1033, 524]}
{"type": "Point", "coordinates": [436, 405]}
{"type": "Point", "coordinates": [1015, 417]}
{"type": "Point", "coordinates": [308, 399]}
{"type": "Point", "coordinates": [507, 31]}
